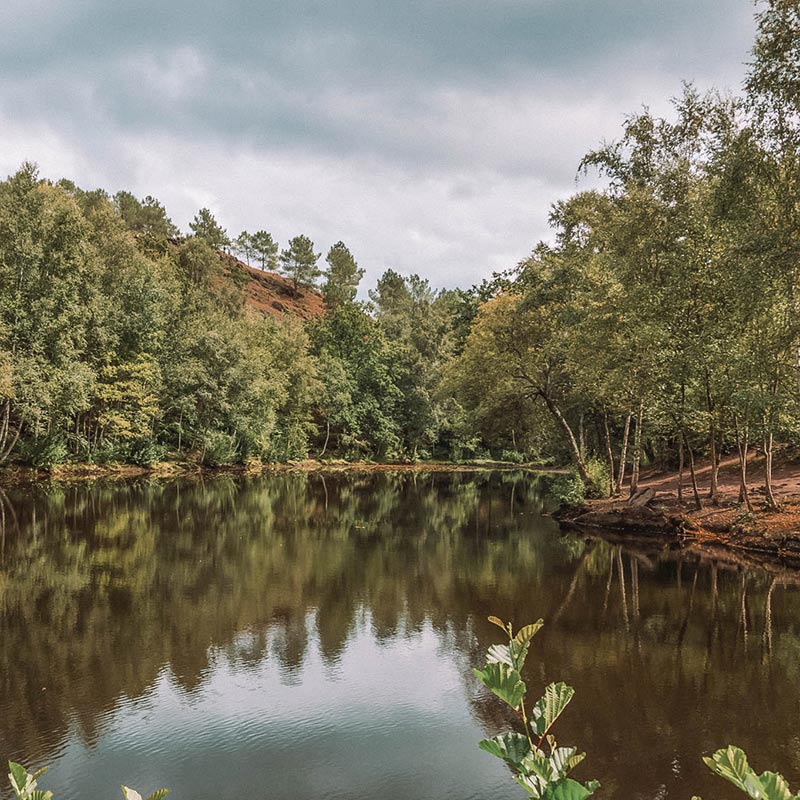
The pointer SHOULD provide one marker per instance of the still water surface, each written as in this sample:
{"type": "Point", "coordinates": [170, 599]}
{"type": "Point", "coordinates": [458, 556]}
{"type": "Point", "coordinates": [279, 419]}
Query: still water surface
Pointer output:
{"type": "Point", "coordinates": [304, 637]}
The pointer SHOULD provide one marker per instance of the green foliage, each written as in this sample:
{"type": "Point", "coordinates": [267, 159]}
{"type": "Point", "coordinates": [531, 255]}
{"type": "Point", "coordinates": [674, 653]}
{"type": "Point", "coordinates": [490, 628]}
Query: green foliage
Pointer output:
{"type": "Point", "coordinates": [731, 764]}
{"type": "Point", "coordinates": [299, 262]}
{"type": "Point", "coordinates": [342, 277]}
{"type": "Point", "coordinates": [567, 489]}
{"type": "Point", "coordinates": [45, 450]}
{"type": "Point", "coordinates": [598, 478]}
{"type": "Point", "coordinates": [24, 783]}
{"type": "Point", "coordinates": [539, 765]}
{"type": "Point", "coordinates": [205, 226]}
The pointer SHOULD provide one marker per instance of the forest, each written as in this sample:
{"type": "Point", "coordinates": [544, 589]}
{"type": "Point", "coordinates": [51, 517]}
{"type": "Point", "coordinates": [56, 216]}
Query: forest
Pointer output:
{"type": "Point", "coordinates": [658, 324]}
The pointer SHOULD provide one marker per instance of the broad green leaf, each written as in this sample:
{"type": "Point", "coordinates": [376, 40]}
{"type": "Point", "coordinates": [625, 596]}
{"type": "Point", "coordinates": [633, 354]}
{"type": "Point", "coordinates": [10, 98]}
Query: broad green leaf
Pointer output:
{"type": "Point", "coordinates": [504, 681]}
{"type": "Point", "coordinates": [38, 794]}
{"type": "Point", "coordinates": [39, 772]}
{"type": "Point", "coordinates": [550, 706]}
{"type": "Point", "coordinates": [130, 794]}
{"type": "Point", "coordinates": [731, 764]}
{"type": "Point", "coordinates": [775, 786]}
{"type": "Point", "coordinates": [538, 764]}
{"type": "Point", "coordinates": [564, 760]}
{"type": "Point", "coordinates": [533, 784]}
{"type": "Point", "coordinates": [510, 747]}
{"type": "Point", "coordinates": [18, 776]}
{"type": "Point", "coordinates": [568, 789]}
{"type": "Point", "coordinates": [524, 635]}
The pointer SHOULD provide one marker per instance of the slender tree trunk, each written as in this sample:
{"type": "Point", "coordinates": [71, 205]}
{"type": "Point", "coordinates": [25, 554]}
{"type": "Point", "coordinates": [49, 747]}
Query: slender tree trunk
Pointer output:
{"type": "Point", "coordinates": [771, 502]}
{"type": "Point", "coordinates": [623, 456]}
{"type": "Point", "coordinates": [581, 437]}
{"type": "Point", "coordinates": [742, 446]}
{"type": "Point", "coordinates": [713, 491]}
{"type": "Point", "coordinates": [713, 494]}
{"type": "Point", "coordinates": [609, 454]}
{"type": "Point", "coordinates": [565, 426]}
{"type": "Point", "coordinates": [698, 503]}
{"type": "Point", "coordinates": [637, 449]}
{"type": "Point", "coordinates": [4, 425]}
{"type": "Point", "coordinates": [327, 436]}
{"type": "Point", "coordinates": [680, 469]}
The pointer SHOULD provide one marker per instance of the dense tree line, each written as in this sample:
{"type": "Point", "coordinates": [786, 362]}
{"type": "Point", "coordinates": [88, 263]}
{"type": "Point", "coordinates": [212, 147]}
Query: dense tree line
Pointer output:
{"type": "Point", "coordinates": [660, 322]}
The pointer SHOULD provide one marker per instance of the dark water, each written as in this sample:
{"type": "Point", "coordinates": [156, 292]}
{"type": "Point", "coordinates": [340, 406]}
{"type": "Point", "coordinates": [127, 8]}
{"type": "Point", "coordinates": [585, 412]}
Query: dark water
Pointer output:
{"type": "Point", "coordinates": [294, 637]}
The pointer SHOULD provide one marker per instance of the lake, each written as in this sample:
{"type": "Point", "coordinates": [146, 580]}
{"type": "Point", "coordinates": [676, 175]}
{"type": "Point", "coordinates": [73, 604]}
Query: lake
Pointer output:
{"type": "Point", "coordinates": [308, 636]}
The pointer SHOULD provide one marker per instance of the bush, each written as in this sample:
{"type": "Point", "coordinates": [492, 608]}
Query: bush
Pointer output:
{"type": "Point", "coordinates": [598, 484]}
{"type": "Point", "coordinates": [567, 489]}
{"type": "Point", "coordinates": [219, 449]}
{"type": "Point", "coordinates": [44, 451]}
{"type": "Point", "coordinates": [143, 452]}
{"type": "Point", "coordinates": [514, 456]}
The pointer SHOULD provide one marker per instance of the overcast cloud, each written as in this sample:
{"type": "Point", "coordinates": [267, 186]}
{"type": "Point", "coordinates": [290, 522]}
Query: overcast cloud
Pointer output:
{"type": "Point", "coordinates": [430, 135]}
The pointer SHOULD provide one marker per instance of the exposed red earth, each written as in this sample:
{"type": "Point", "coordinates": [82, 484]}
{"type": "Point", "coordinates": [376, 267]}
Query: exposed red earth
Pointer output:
{"type": "Point", "coordinates": [274, 295]}
{"type": "Point", "coordinates": [656, 510]}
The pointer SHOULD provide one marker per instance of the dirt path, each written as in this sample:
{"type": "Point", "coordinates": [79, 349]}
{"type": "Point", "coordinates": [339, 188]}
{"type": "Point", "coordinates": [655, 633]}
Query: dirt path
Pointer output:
{"type": "Point", "coordinates": [725, 523]}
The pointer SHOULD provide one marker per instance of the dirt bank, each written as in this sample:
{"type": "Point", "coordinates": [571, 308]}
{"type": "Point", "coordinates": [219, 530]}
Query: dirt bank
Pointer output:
{"type": "Point", "coordinates": [656, 511]}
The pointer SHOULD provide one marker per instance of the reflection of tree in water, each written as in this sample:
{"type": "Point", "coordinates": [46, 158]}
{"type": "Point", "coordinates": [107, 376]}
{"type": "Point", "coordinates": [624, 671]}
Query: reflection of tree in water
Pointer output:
{"type": "Point", "coordinates": [101, 587]}
{"type": "Point", "coordinates": [671, 656]}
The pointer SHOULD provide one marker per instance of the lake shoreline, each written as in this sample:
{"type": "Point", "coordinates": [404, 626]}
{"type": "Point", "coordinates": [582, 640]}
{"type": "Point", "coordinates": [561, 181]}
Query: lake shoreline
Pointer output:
{"type": "Point", "coordinates": [68, 473]}
{"type": "Point", "coordinates": [656, 511]}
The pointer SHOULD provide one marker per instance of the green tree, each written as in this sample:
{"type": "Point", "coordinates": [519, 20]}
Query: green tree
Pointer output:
{"type": "Point", "coordinates": [265, 249]}
{"type": "Point", "coordinates": [205, 226]}
{"type": "Point", "coordinates": [299, 262]}
{"type": "Point", "coordinates": [342, 277]}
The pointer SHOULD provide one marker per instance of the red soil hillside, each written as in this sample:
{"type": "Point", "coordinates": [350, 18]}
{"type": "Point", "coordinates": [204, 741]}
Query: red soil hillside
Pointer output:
{"type": "Point", "coordinates": [273, 294]}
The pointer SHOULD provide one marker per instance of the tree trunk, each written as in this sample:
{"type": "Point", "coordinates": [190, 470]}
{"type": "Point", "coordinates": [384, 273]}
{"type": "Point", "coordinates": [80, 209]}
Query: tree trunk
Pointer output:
{"type": "Point", "coordinates": [327, 436]}
{"type": "Point", "coordinates": [564, 425]}
{"type": "Point", "coordinates": [609, 454]}
{"type": "Point", "coordinates": [623, 456]}
{"type": "Point", "coordinates": [697, 502]}
{"type": "Point", "coordinates": [771, 502]}
{"type": "Point", "coordinates": [637, 450]}
{"type": "Point", "coordinates": [581, 437]}
{"type": "Point", "coordinates": [680, 469]}
{"type": "Point", "coordinates": [742, 446]}
{"type": "Point", "coordinates": [713, 493]}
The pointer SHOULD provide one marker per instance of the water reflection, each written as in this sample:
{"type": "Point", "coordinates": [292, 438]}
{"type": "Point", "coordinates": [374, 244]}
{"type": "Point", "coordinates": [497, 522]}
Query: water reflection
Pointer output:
{"type": "Point", "coordinates": [300, 636]}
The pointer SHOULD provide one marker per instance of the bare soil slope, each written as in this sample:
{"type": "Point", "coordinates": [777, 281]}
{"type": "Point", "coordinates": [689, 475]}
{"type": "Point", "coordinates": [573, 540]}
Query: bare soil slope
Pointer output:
{"type": "Point", "coordinates": [273, 294]}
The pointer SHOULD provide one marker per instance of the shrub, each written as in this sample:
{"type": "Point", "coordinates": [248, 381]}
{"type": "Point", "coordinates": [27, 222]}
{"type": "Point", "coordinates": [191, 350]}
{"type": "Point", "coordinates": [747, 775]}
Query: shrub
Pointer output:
{"type": "Point", "coordinates": [567, 489]}
{"type": "Point", "coordinates": [599, 480]}
{"type": "Point", "coordinates": [45, 451]}
{"type": "Point", "coordinates": [219, 449]}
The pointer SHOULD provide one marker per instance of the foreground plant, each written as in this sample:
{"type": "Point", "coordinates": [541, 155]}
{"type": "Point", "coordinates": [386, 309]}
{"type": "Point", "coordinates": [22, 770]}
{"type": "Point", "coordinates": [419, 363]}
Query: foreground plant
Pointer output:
{"type": "Point", "coordinates": [731, 764]}
{"type": "Point", "coordinates": [24, 783]}
{"type": "Point", "coordinates": [540, 766]}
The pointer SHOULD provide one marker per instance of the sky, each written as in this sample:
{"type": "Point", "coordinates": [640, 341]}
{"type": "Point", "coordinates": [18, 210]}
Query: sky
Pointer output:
{"type": "Point", "coordinates": [431, 136]}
